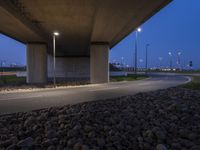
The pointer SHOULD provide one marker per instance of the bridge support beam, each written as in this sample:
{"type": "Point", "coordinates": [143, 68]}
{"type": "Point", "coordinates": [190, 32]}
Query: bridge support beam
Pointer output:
{"type": "Point", "coordinates": [36, 63]}
{"type": "Point", "coordinates": [99, 63]}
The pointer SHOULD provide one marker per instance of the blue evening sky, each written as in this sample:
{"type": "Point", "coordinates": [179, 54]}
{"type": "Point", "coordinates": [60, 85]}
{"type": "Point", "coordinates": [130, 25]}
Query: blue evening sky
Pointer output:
{"type": "Point", "coordinates": [175, 28]}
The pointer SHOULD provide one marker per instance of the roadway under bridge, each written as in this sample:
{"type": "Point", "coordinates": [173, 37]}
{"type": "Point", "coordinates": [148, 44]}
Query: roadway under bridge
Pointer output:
{"type": "Point", "coordinates": [88, 29]}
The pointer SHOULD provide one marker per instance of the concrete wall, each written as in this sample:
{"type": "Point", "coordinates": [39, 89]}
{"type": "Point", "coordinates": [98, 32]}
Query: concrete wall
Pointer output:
{"type": "Point", "coordinates": [99, 63]}
{"type": "Point", "coordinates": [36, 63]}
{"type": "Point", "coordinates": [69, 67]}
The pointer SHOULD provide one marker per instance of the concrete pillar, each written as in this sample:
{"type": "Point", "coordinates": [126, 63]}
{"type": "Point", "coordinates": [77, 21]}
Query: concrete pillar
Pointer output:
{"type": "Point", "coordinates": [99, 63]}
{"type": "Point", "coordinates": [36, 63]}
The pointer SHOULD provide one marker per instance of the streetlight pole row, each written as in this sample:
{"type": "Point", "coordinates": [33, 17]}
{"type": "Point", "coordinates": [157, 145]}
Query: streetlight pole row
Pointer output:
{"type": "Point", "coordinates": [178, 61]}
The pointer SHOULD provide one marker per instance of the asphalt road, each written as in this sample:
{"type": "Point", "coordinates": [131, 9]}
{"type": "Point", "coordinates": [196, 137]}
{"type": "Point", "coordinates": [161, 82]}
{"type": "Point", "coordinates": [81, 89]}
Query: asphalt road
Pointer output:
{"type": "Point", "coordinates": [37, 99]}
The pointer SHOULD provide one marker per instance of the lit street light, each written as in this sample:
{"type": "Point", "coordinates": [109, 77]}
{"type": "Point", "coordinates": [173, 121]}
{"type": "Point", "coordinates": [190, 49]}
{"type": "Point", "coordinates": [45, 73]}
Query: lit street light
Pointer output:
{"type": "Point", "coordinates": [136, 43]}
{"type": "Point", "coordinates": [141, 61]}
{"type": "Point", "coordinates": [2, 66]}
{"type": "Point", "coordinates": [179, 60]}
{"type": "Point", "coordinates": [147, 45]}
{"type": "Point", "coordinates": [122, 62]}
{"type": "Point", "coordinates": [170, 63]}
{"type": "Point", "coordinates": [160, 59]}
{"type": "Point", "coordinates": [54, 57]}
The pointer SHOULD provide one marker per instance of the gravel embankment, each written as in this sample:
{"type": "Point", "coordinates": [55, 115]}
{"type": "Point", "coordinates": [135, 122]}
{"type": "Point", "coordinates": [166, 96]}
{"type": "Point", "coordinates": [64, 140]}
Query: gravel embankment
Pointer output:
{"type": "Point", "coordinates": [160, 120]}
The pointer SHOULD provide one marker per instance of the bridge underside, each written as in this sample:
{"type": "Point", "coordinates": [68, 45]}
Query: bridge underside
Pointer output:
{"type": "Point", "coordinates": [81, 23]}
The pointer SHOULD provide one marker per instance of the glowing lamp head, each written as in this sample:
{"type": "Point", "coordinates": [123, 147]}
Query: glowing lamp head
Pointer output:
{"type": "Point", "coordinates": [139, 29]}
{"type": "Point", "coordinates": [179, 53]}
{"type": "Point", "coordinates": [170, 53]}
{"type": "Point", "coordinates": [56, 33]}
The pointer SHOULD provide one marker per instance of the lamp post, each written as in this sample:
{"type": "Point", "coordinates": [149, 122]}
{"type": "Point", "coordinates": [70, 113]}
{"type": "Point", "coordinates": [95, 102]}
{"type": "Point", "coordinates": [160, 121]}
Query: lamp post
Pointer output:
{"type": "Point", "coordinates": [136, 47]}
{"type": "Point", "coordinates": [122, 62]}
{"type": "Point", "coordinates": [147, 45]}
{"type": "Point", "coordinates": [54, 57]}
{"type": "Point", "coordinates": [160, 59]}
{"type": "Point", "coordinates": [170, 63]}
{"type": "Point", "coordinates": [141, 61]}
{"type": "Point", "coordinates": [2, 67]}
{"type": "Point", "coordinates": [179, 60]}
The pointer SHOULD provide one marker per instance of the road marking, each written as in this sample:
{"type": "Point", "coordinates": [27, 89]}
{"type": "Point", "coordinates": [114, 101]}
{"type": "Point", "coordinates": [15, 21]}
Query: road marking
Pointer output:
{"type": "Point", "coordinates": [15, 98]}
{"type": "Point", "coordinates": [189, 80]}
{"type": "Point", "coordinates": [146, 83]}
{"type": "Point", "coordinates": [104, 89]}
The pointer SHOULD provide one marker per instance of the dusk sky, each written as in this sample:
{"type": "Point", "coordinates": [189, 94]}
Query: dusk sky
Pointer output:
{"type": "Point", "coordinates": [176, 28]}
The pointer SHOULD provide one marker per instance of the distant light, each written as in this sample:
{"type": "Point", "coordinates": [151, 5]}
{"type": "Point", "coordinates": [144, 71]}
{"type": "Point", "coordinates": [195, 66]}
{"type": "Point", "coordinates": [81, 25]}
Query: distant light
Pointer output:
{"type": "Point", "coordinates": [56, 33]}
{"type": "Point", "coordinates": [170, 53]}
{"type": "Point", "coordinates": [139, 29]}
{"type": "Point", "coordinates": [160, 58]}
{"type": "Point", "coordinates": [179, 53]}
{"type": "Point", "coordinates": [140, 60]}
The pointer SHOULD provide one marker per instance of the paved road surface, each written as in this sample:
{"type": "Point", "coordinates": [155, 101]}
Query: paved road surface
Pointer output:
{"type": "Point", "coordinates": [26, 101]}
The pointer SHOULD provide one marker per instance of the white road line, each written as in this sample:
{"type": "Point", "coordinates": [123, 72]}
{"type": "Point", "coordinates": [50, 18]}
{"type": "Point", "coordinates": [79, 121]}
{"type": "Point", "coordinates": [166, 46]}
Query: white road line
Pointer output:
{"type": "Point", "coordinates": [104, 89]}
{"type": "Point", "coordinates": [14, 98]}
{"type": "Point", "coordinates": [146, 83]}
{"type": "Point", "coordinates": [189, 80]}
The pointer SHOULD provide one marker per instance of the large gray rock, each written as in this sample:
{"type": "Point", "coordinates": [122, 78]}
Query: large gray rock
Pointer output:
{"type": "Point", "coordinates": [30, 121]}
{"type": "Point", "coordinates": [51, 134]}
{"type": "Point", "coordinates": [100, 142]}
{"type": "Point", "coordinates": [77, 146]}
{"type": "Point", "coordinates": [161, 147]}
{"type": "Point", "coordinates": [25, 143]}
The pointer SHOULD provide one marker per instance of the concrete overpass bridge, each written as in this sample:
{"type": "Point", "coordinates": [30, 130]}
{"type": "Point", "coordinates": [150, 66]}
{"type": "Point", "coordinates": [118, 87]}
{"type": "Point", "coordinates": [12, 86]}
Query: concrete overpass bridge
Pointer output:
{"type": "Point", "coordinates": [88, 29]}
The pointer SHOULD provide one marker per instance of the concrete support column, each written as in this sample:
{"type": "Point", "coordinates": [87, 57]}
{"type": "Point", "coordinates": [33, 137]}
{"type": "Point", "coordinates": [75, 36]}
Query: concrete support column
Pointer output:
{"type": "Point", "coordinates": [36, 63]}
{"type": "Point", "coordinates": [99, 63]}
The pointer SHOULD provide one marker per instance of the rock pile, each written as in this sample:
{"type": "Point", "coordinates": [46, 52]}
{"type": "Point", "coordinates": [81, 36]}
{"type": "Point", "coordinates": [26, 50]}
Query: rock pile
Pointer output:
{"type": "Point", "coordinates": [161, 120]}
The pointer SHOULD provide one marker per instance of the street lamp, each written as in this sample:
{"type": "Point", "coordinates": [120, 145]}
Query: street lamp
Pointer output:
{"type": "Point", "coordinates": [179, 60]}
{"type": "Point", "coordinates": [147, 45]}
{"type": "Point", "coordinates": [141, 61]}
{"type": "Point", "coordinates": [54, 57]}
{"type": "Point", "coordinates": [160, 59]}
{"type": "Point", "coordinates": [136, 43]}
{"type": "Point", "coordinates": [1, 68]}
{"type": "Point", "coordinates": [122, 62]}
{"type": "Point", "coordinates": [170, 54]}
{"type": "Point", "coordinates": [3, 62]}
